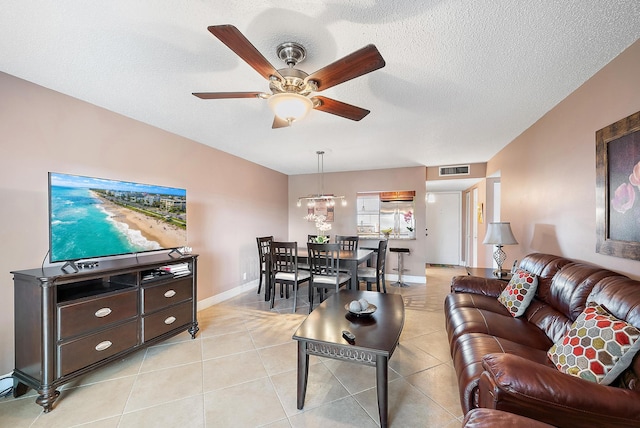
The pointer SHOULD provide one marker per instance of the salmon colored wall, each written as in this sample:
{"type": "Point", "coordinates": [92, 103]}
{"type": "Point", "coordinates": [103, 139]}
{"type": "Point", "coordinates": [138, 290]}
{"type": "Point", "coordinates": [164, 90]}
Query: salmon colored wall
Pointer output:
{"type": "Point", "coordinates": [349, 184]}
{"type": "Point", "coordinates": [230, 200]}
{"type": "Point", "coordinates": [548, 173]}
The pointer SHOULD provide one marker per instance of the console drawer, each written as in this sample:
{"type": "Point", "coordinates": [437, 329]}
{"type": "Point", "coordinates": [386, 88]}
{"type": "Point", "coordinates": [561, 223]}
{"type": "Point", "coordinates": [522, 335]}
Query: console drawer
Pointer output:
{"type": "Point", "coordinates": [86, 315]}
{"type": "Point", "coordinates": [162, 295]}
{"type": "Point", "coordinates": [166, 320]}
{"type": "Point", "coordinates": [85, 351]}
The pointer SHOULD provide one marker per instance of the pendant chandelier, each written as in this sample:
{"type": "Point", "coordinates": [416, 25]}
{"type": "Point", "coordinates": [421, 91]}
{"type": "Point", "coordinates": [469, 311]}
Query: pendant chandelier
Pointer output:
{"type": "Point", "coordinates": [321, 197]}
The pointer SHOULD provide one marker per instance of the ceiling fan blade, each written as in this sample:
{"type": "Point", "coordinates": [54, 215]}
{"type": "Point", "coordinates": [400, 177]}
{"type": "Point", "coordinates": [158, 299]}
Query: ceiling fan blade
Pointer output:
{"type": "Point", "coordinates": [356, 64]}
{"type": "Point", "coordinates": [237, 42]}
{"type": "Point", "coordinates": [339, 108]}
{"type": "Point", "coordinates": [279, 123]}
{"type": "Point", "coordinates": [222, 95]}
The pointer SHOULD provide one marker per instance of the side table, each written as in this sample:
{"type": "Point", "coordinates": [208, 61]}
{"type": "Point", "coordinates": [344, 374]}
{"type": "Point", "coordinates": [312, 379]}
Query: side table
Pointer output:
{"type": "Point", "coordinates": [488, 273]}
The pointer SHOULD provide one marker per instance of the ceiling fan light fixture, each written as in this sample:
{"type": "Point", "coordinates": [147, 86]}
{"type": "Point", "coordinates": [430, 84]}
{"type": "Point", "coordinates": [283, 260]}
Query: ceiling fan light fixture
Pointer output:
{"type": "Point", "coordinates": [290, 106]}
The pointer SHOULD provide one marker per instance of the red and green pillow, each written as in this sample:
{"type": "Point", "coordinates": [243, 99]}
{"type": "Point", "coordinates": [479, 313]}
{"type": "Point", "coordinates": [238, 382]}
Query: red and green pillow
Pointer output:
{"type": "Point", "coordinates": [518, 294]}
{"type": "Point", "coordinates": [597, 347]}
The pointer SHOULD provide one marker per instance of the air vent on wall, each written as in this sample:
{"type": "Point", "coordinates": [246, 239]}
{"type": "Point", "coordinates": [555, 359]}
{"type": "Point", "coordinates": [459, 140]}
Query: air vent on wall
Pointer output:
{"type": "Point", "coordinates": [454, 170]}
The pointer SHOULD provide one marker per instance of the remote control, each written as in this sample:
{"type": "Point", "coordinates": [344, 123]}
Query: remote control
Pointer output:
{"type": "Point", "coordinates": [349, 336]}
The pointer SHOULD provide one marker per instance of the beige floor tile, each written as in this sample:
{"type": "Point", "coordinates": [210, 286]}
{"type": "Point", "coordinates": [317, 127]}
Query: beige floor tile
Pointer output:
{"type": "Point", "coordinates": [280, 331]}
{"type": "Point", "coordinates": [112, 422]}
{"type": "Point", "coordinates": [341, 413]}
{"type": "Point", "coordinates": [210, 325]}
{"type": "Point", "coordinates": [355, 377]}
{"type": "Point", "coordinates": [248, 404]}
{"type": "Point", "coordinates": [183, 413]}
{"type": "Point", "coordinates": [408, 407]}
{"type": "Point", "coordinates": [226, 344]}
{"type": "Point", "coordinates": [419, 322]}
{"type": "Point", "coordinates": [88, 403]}
{"type": "Point", "coordinates": [282, 423]}
{"type": "Point", "coordinates": [441, 385]}
{"type": "Point", "coordinates": [435, 343]}
{"type": "Point", "coordinates": [171, 355]}
{"type": "Point", "coordinates": [128, 366]}
{"type": "Point", "coordinates": [322, 388]}
{"type": "Point", "coordinates": [281, 358]}
{"type": "Point", "coordinates": [231, 370]}
{"type": "Point", "coordinates": [20, 412]}
{"type": "Point", "coordinates": [162, 386]}
{"type": "Point", "coordinates": [408, 359]}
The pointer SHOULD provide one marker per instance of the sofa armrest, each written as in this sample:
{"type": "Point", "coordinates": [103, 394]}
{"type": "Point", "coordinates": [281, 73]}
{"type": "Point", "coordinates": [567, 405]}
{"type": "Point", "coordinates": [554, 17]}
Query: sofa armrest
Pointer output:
{"type": "Point", "coordinates": [477, 285]}
{"type": "Point", "coordinates": [521, 386]}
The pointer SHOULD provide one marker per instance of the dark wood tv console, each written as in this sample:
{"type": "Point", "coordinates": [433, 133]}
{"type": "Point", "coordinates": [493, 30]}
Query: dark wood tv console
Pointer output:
{"type": "Point", "coordinates": [68, 324]}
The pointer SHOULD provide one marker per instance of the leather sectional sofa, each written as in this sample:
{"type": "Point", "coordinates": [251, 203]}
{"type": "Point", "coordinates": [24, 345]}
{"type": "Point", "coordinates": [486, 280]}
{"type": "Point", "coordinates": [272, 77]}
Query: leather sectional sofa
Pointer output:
{"type": "Point", "coordinates": [502, 361]}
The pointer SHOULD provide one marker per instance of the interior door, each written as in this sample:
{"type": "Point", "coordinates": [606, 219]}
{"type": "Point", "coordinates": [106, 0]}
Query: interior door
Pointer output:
{"type": "Point", "coordinates": [444, 228]}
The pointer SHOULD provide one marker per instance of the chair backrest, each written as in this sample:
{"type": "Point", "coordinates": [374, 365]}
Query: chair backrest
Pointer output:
{"type": "Point", "coordinates": [324, 259]}
{"type": "Point", "coordinates": [382, 256]}
{"type": "Point", "coordinates": [348, 243]}
{"type": "Point", "coordinates": [284, 257]}
{"type": "Point", "coordinates": [264, 244]}
{"type": "Point", "coordinates": [312, 238]}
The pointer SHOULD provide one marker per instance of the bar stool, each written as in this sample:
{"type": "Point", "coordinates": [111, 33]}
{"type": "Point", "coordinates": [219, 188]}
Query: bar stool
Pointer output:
{"type": "Point", "coordinates": [401, 252]}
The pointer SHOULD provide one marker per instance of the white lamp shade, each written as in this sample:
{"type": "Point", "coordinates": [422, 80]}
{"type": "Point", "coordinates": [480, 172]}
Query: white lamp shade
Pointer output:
{"type": "Point", "coordinates": [290, 107]}
{"type": "Point", "coordinates": [499, 234]}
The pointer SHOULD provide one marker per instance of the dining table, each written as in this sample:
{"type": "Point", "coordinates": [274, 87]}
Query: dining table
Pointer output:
{"type": "Point", "coordinates": [349, 260]}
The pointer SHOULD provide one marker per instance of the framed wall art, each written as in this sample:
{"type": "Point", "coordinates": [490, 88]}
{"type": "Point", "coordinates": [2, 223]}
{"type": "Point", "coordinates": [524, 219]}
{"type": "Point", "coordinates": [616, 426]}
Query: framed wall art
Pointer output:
{"type": "Point", "coordinates": [618, 188]}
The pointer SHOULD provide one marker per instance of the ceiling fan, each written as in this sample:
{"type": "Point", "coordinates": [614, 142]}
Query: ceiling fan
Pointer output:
{"type": "Point", "coordinates": [292, 89]}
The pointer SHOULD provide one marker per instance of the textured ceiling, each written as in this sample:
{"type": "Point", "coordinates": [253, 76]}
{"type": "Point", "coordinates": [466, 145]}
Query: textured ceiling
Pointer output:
{"type": "Point", "coordinates": [462, 78]}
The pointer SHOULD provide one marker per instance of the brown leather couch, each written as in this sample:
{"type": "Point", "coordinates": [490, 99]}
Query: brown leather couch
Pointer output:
{"type": "Point", "coordinates": [501, 361]}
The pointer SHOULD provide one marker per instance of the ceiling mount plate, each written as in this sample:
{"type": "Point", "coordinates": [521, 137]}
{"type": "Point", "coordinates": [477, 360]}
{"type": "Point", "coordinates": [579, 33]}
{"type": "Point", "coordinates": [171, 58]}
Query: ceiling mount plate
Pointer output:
{"type": "Point", "coordinates": [291, 53]}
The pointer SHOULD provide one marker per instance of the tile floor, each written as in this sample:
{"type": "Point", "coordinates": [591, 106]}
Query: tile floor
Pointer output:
{"type": "Point", "coordinates": [240, 371]}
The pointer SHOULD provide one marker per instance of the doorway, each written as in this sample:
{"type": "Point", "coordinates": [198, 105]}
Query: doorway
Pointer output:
{"type": "Point", "coordinates": [443, 228]}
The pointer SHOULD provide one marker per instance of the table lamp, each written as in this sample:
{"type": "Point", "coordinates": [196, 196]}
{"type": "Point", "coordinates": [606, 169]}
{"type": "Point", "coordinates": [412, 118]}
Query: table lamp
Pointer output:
{"type": "Point", "coordinates": [499, 234]}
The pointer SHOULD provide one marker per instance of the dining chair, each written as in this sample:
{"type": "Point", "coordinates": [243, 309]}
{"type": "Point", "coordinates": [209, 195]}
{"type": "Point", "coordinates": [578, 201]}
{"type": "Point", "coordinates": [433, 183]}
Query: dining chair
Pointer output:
{"type": "Point", "coordinates": [284, 270]}
{"type": "Point", "coordinates": [375, 274]}
{"type": "Point", "coordinates": [263, 254]}
{"type": "Point", "coordinates": [348, 243]}
{"type": "Point", "coordinates": [324, 264]}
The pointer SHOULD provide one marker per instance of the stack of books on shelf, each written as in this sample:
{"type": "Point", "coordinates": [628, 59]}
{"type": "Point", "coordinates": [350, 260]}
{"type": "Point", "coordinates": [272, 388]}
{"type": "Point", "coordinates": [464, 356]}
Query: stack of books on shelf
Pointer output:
{"type": "Point", "coordinates": [178, 269]}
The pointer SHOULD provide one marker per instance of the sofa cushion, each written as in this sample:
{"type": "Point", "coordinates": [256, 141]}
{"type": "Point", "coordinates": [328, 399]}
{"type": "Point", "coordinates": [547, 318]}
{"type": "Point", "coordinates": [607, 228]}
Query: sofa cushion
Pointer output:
{"type": "Point", "coordinates": [519, 292]}
{"type": "Point", "coordinates": [598, 346]}
{"type": "Point", "coordinates": [545, 266]}
{"type": "Point", "coordinates": [462, 321]}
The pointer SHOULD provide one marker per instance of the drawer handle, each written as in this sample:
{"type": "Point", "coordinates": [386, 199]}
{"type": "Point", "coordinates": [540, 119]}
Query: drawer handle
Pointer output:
{"type": "Point", "coordinates": [100, 313]}
{"type": "Point", "coordinates": [103, 345]}
{"type": "Point", "coordinates": [170, 293]}
{"type": "Point", "coordinates": [170, 320]}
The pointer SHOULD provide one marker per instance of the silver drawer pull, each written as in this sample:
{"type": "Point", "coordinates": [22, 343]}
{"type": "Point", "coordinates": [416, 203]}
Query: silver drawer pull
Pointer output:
{"type": "Point", "coordinates": [170, 293]}
{"type": "Point", "coordinates": [170, 320]}
{"type": "Point", "coordinates": [103, 345]}
{"type": "Point", "coordinates": [100, 313]}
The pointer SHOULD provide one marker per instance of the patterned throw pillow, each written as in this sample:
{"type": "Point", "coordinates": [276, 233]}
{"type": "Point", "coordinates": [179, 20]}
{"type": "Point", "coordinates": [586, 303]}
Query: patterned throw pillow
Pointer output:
{"type": "Point", "coordinates": [519, 292]}
{"type": "Point", "coordinates": [597, 347]}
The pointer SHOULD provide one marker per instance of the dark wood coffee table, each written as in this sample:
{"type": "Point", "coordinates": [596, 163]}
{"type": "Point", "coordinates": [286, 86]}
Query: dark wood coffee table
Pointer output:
{"type": "Point", "coordinates": [377, 336]}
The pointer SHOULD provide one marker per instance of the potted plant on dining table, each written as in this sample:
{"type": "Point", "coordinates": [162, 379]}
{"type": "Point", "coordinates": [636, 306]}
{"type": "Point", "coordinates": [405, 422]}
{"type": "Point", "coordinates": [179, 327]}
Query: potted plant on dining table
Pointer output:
{"type": "Point", "coordinates": [321, 226]}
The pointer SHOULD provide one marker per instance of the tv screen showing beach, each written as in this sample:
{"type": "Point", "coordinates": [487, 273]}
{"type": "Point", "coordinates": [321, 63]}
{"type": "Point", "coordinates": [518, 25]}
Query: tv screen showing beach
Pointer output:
{"type": "Point", "coordinates": [95, 217]}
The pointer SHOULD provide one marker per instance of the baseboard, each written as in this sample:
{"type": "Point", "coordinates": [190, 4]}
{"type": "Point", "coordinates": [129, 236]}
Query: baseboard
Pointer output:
{"type": "Point", "coordinates": [407, 278]}
{"type": "Point", "coordinates": [229, 294]}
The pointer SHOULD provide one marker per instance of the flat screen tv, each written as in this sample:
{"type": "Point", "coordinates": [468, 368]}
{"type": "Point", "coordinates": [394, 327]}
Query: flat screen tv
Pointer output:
{"type": "Point", "coordinates": [96, 217]}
